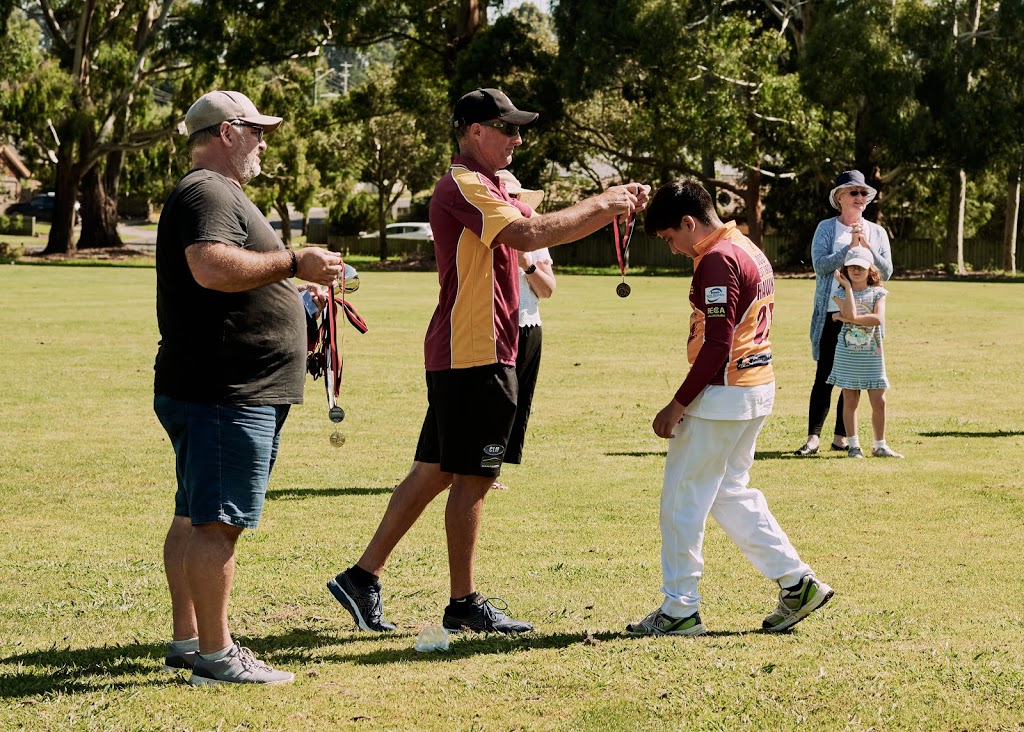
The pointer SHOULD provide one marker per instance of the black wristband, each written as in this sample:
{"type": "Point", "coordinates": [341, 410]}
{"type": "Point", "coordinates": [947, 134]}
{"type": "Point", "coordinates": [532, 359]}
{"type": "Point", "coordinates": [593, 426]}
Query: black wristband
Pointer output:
{"type": "Point", "coordinates": [295, 262]}
{"type": "Point", "coordinates": [531, 269]}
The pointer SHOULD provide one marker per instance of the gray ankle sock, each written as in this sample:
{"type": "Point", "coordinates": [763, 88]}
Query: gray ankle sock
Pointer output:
{"type": "Point", "coordinates": [185, 646]}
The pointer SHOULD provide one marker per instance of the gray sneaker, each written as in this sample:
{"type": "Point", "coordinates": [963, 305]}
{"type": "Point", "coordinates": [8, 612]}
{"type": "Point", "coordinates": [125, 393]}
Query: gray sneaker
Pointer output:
{"type": "Point", "coordinates": [855, 452]}
{"type": "Point", "coordinates": [797, 603]}
{"type": "Point", "coordinates": [240, 666]}
{"type": "Point", "coordinates": [885, 452]}
{"type": "Point", "coordinates": [176, 660]}
{"type": "Point", "coordinates": [658, 623]}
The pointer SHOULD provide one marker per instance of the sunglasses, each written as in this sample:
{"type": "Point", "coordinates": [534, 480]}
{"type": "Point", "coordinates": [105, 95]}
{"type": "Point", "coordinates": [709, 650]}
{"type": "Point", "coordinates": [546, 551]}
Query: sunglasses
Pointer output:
{"type": "Point", "coordinates": [255, 128]}
{"type": "Point", "coordinates": [509, 129]}
{"type": "Point", "coordinates": [860, 193]}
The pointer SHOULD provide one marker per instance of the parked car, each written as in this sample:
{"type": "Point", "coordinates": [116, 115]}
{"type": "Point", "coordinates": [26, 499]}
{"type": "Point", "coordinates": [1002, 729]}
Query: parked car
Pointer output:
{"type": "Point", "coordinates": [404, 230]}
{"type": "Point", "coordinates": [40, 206]}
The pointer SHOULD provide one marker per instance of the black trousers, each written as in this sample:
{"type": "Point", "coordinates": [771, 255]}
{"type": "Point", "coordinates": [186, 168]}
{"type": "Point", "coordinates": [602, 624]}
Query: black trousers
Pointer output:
{"type": "Point", "coordinates": [821, 392]}
{"type": "Point", "coordinates": [527, 368]}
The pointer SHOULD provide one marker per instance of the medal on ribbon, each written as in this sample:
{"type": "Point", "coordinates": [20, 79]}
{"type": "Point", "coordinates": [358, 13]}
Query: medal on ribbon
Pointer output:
{"type": "Point", "coordinates": [622, 239]}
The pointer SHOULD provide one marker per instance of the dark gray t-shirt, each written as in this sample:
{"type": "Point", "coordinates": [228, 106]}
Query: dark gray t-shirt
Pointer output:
{"type": "Point", "coordinates": [241, 348]}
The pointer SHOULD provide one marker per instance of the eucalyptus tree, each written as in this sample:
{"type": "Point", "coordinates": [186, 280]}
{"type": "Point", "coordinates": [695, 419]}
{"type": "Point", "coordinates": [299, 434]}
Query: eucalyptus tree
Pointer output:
{"type": "Point", "coordinates": [676, 86]}
{"type": "Point", "coordinates": [855, 63]}
{"type": "Point", "coordinates": [98, 57]}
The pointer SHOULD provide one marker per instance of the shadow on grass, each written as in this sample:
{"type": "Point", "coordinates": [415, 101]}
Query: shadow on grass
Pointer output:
{"type": "Point", "coordinates": [289, 494]}
{"type": "Point", "coordinates": [954, 433]}
{"type": "Point", "coordinates": [759, 455]}
{"type": "Point", "coordinates": [85, 670]}
{"type": "Point", "coordinates": [639, 454]}
{"type": "Point", "coordinates": [475, 645]}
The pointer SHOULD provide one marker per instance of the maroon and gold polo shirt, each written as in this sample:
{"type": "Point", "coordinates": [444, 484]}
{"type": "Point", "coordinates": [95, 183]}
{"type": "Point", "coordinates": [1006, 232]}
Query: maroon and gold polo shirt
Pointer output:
{"type": "Point", "coordinates": [476, 322]}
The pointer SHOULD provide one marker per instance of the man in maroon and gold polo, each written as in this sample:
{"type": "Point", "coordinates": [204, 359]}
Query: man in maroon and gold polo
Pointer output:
{"type": "Point", "coordinates": [470, 354]}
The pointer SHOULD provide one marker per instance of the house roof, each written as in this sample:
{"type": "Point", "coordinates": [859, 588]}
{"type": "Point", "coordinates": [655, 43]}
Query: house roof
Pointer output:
{"type": "Point", "coordinates": [14, 162]}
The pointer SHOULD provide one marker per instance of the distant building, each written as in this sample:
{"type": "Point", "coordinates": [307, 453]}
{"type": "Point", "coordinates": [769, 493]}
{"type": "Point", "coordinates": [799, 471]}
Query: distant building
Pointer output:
{"type": "Point", "coordinates": [12, 174]}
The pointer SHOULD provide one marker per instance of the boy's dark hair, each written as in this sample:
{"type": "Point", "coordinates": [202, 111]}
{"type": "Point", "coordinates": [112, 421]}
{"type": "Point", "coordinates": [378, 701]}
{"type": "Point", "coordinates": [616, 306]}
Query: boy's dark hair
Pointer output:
{"type": "Point", "coordinates": [675, 200]}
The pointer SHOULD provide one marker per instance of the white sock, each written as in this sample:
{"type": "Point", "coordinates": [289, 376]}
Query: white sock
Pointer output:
{"type": "Point", "coordinates": [879, 443]}
{"type": "Point", "coordinates": [218, 655]}
{"type": "Point", "coordinates": [853, 441]}
{"type": "Point", "coordinates": [185, 646]}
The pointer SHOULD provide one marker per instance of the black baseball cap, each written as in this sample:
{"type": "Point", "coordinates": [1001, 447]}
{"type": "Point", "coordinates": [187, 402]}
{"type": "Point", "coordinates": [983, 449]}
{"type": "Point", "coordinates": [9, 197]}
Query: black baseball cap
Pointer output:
{"type": "Point", "coordinates": [484, 105]}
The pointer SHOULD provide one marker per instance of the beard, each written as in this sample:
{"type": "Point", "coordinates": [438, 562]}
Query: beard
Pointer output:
{"type": "Point", "coordinates": [247, 164]}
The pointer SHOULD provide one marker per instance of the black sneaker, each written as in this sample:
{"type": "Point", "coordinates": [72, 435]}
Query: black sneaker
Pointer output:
{"type": "Point", "coordinates": [363, 603]}
{"type": "Point", "coordinates": [482, 616]}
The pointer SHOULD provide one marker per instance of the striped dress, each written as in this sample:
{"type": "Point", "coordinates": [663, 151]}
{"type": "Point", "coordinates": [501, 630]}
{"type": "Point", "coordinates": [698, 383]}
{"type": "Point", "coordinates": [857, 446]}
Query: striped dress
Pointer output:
{"type": "Point", "coordinates": [860, 362]}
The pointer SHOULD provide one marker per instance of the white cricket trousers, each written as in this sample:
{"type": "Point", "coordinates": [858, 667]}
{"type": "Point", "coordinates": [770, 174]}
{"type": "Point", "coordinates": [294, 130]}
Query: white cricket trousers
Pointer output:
{"type": "Point", "coordinates": [706, 471]}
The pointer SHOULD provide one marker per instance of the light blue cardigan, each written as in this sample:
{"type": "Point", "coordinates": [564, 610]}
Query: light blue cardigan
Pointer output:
{"type": "Point", "coordinates": [826, 263]}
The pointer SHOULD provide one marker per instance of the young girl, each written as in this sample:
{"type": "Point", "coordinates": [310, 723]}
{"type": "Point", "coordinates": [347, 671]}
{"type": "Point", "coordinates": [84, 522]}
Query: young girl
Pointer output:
{"type": "Point", "coordinates": [859, 362]}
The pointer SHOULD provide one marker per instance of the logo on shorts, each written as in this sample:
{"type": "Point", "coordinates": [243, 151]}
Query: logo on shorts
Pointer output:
{"type": "Point", "coordinates": [492, 456]}
{"type": "Point", "coordinates": [715, 294]}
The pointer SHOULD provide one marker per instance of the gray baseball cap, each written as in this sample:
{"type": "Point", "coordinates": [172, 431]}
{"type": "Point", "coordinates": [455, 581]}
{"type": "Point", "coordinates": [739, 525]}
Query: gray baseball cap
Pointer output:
{"type": "Point", "coordinates": [226, 106]}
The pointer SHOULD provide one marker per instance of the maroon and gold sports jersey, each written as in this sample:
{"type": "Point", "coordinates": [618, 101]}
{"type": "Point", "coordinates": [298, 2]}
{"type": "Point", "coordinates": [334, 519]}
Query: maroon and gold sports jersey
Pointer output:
{"type": "Point", "coordinates": [476, 322]}
{"type": "Point", "coordinates": [732, 296]}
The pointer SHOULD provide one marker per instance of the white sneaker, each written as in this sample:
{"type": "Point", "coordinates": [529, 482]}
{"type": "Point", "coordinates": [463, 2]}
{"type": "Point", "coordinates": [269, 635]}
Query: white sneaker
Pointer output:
{"type": "Point", "coordinates": [797, 603]}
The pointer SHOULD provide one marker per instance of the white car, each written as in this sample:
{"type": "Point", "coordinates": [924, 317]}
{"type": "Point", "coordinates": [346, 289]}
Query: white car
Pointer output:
{"type": "Point", "coordinates": [405, 230]}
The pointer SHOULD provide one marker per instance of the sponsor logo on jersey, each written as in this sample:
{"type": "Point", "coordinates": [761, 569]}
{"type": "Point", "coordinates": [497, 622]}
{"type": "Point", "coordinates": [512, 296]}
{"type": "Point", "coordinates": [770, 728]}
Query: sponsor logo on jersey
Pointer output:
{"type": "Point", "coordinates": [494, 450]}
{"type": "Point", "coordinates": [716, 311]}
{"type": "Point", "coordinates": [757, 359]}
{"type": "Point", "coordinates": [715, 294]}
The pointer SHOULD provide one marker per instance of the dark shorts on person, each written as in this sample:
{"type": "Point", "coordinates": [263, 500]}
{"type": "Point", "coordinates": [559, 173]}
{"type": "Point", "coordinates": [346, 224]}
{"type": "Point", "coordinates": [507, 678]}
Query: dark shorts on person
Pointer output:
{"type": "Point", "coordinates": [469, 417]}
{"type": "Point", "coordinates": [224, 455]}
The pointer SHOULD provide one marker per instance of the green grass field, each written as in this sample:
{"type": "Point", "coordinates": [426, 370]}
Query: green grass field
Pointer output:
{"type": "Point", "coordinates": [926, 631]}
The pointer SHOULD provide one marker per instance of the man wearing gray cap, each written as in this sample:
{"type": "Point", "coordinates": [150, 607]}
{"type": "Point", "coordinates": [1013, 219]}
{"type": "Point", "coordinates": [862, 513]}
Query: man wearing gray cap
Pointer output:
{"type": "Point", "coordinates": [470, 354]}
{"type": "Point", "coordinates": [231, 361]}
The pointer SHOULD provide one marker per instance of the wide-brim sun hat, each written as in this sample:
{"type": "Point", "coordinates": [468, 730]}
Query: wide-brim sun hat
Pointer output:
{"type": "Point", "coordinates": [850, 179]}
{"type": "Point", "coordinates": [530, 197]}
{"type": "Point", "coordinates": [226, 106]}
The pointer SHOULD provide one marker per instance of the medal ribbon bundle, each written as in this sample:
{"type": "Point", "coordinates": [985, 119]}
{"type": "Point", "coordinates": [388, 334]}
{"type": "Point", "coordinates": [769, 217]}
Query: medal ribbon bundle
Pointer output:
{"type": "Point", "coordinates": [326, 358]}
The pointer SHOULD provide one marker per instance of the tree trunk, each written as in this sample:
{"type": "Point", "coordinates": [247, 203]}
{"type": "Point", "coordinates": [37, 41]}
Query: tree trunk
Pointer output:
{"type": "Point", "coordinates": [99, 213]}
{"type": "Point", "coordinates": [955, 220]}
{"type": "Point", "coordinates": [286, 223]}
{"type": "Point", "coordinates": [1012, 217]}
{"type": "Point", "coordinates": [62, 231]}
{"type": "Point", "coordinates": [752, 203]}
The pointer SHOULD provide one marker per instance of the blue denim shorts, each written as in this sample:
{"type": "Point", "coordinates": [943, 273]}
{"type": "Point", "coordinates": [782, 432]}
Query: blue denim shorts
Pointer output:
{"type": "Point", "coordinates": [223, 458]}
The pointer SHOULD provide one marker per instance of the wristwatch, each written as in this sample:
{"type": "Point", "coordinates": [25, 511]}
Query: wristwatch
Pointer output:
{"type": "Point", "coordinates": [531, 269]}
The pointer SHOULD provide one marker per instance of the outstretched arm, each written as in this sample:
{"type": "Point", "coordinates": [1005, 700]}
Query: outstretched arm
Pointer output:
{"type": "Point", "coordinates": [569, 224]}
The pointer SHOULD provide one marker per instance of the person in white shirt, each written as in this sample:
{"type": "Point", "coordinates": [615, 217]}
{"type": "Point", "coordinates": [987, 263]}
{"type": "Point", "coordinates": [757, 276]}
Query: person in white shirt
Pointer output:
{"type": "Point", "coordinates": [536, 283]}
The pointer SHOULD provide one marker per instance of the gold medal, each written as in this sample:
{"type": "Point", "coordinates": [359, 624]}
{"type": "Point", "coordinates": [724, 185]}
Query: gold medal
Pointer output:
{"type": "Point", "coordinates": [337, 439]}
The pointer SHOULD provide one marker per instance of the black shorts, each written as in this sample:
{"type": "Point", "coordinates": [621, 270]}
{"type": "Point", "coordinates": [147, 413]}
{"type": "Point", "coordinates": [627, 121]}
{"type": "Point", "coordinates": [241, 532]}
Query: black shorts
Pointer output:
{"type": "Point", "coordinates": [469, 417]}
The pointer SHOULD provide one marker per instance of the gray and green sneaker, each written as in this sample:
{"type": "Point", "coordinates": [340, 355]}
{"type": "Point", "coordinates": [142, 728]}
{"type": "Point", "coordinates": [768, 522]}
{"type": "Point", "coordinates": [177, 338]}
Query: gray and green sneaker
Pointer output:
{"type": "Point", "coordinates": [796, 603]}
{"type": "Point", "coordinates": [240, 666]}
{"type": "Point", "coordinates": [885, 452]}
{"type": "Point", "coordinates": [658, 623]}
